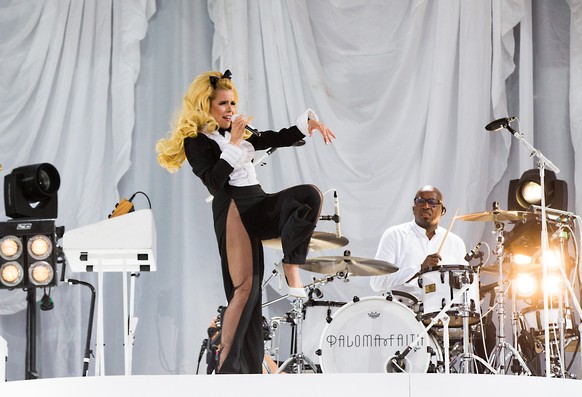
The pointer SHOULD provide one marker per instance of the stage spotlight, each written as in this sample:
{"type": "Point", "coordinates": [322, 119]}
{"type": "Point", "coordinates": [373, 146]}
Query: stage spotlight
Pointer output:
{"type": "Point", "coordinates": [10, 247]}
{"type": "Point", "coordinates": [527, 191]}
{"type": "Point", "coordinates": [521, 259]}
{"type": "Point", "coordinates": [31, 192]}
{"type": "Point", "coordinates": [526, 285]}
{"type": "Point", "coordinates": [553, 284]}
{"type": "Point", "coordinates": [40, 273]}
{"type": "Point", "coordinates": [552, 260]}
{"type": "Point", "coordinates": [33, 266]}
{"type": "Point", "coordinates": [11, 274]}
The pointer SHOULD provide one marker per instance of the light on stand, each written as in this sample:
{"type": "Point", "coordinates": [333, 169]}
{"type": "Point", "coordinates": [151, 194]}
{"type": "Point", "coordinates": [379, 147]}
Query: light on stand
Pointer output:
{"type": "Point", "coordinates": [527, 191]}
{"type": "Point", "coordinates": [10, 247]}
{"type": "Point", "coordinates": [28, 242]}
{"type": "Point", "coordinates": [34, 266]}
{"type": "Point", "coordinates": [31, 192]}
{"type": "Point", "coordinates": [11, 274]}
{"type": "Point", "coordinates": [554, 195]}
{"type": "Point", "coordinates": [40, 273]}
{"type": "Point", "coordinates": [553, 284]}
{"type": "Point", "coordinates": [521, 259]}
{"type": "Point", "coordinates": [552, 260]}
{"type": "Point", "coordinates": [526, 285]}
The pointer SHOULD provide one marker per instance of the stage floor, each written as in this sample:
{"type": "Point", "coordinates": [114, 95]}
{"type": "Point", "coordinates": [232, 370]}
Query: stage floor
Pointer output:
{"type": "Point", "coordinates": [327, 385]}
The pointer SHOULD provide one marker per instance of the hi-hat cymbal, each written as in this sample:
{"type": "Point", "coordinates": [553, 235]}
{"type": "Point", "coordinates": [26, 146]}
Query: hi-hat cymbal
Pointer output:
{"type": "Point", "coordinates": [349, 265]}
{"type": "Point", "coordinates": [497, 215]}
{"type": "Point", "coordinates": [320, 241]}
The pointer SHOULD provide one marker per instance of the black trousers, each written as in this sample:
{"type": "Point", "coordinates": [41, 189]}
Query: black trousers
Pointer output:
{"type": "Point", "coordinates": [292, 215]}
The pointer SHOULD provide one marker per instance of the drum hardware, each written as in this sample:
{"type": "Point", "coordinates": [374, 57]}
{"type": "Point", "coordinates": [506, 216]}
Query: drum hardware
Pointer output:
{"type": "Point", "coordinates": [439, 284]}
{"type": "Point", "coordinates": [467, 356]}
{"type": "Point", "coordinates": [313, 287]}
{"type": "Point", "coordinates": [562, 234]}
{"type": "Point", "coordinates": [347, 265]}
{"type": "Point", "coordinates": [542, 163]}
{"type": "Point", "coordinates": [273, 274]}
{"type": "Point", "coordinates": [297, 361]}
{"type": "Point", "coordinates": [396, 362]}
{"type": "Point", "coordinates": [503, 349]}
{"type": "Point", "coordinates": [552, 320]}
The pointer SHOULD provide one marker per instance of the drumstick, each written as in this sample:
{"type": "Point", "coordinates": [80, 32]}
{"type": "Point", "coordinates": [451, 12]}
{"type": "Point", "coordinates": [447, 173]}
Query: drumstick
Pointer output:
{"type": "Point", "coordinates": [448, 230]}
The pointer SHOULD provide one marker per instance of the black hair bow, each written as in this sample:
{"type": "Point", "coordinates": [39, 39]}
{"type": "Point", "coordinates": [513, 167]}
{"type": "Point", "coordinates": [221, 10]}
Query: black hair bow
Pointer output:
{"type": "Point", "coordinates": [214, 80]}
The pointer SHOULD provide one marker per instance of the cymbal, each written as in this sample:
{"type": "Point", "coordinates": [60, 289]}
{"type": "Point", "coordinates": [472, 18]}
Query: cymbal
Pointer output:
{"type": "Point", "coordinates": [320, 241]}
{"type": "Point", "coordinates": [511, 268]}
{"type": "Point", "coordinates": [348, 264]}
{"type": "Point", "coordinates": [497, 215]}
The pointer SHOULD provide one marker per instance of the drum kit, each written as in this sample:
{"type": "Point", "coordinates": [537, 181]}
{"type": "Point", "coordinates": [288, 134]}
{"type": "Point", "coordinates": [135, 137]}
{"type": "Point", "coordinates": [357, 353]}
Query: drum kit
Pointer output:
{"type": "Point", "coordinates": [444, 332]}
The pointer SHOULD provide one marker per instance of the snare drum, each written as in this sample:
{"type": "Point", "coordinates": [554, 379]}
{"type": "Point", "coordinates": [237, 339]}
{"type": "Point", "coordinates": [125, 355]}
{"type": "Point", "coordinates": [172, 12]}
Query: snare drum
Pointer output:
{"type": "Point", "coordinates": [366, 334]}
{"type": "Point", "coordinates": [441, 284]}
{"type": "Point", "coordinates": [535, 320]}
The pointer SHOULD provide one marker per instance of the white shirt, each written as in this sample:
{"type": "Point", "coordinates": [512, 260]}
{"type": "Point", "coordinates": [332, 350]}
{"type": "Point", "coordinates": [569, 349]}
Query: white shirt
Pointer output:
{"type": "Point", "coordinates": [406, 246]}
{"type": "Point", "coordinates": [241, 157]}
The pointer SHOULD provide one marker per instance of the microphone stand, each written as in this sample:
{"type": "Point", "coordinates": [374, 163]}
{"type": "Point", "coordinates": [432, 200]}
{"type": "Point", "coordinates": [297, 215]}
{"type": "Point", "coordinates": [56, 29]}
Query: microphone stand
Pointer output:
{"type": "Point", "coordinates": [543, 162]}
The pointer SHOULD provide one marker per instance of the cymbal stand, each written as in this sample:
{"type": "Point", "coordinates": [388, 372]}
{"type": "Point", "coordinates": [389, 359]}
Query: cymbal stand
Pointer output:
{"type": "Point", "coordinates": [562, 236]}
{"type": "Point", "coordinates": [273, 274]}
{"type": "Point", "coordinates": [500, 354]}
{"type": "Point", "coordinates": [467, 356]}
{"type": "Point", "coordinates": [297, 360]}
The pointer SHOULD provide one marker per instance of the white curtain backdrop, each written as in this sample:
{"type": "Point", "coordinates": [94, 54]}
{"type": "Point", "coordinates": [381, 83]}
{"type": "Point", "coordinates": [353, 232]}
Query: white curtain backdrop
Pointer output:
{"type": "Point", "coordinates": [407, 87]}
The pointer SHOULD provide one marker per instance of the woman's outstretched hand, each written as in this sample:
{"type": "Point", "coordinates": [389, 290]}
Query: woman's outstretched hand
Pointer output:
{"type": "Point", "coordinates": [314, 125]}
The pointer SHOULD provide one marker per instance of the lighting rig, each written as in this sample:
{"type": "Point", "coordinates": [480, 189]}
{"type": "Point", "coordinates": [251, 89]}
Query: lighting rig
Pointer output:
{"type": "Point", "coordinates": [29, 253]}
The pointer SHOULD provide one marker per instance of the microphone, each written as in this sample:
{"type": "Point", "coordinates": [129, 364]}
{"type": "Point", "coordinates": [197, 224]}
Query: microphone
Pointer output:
{"type": "Point", "coordinates": [335, 217]}
{"type": "Point", "coordinates": [498, 124]}
{"type": "Point", "coordinates": [248, 127]}
{"type": "Point", "coordinates": [338, 231]}
{"type": "Point", "coordinates": [473, 253]}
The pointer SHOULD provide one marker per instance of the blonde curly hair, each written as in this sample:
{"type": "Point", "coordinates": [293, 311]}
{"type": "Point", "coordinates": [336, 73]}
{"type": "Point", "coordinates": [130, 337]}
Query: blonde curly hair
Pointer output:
{"type": "Point", "coordinates": [194, 118]}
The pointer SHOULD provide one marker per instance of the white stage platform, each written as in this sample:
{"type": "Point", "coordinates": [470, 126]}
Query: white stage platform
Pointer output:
{"type": "Point", "coordinates": [314, 385]}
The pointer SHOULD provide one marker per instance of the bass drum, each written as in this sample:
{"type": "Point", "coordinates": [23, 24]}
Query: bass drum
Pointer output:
{"type": "Point", "coordinates": [317, 314]}
{"type": "Point", "coordinates": [366, 334]}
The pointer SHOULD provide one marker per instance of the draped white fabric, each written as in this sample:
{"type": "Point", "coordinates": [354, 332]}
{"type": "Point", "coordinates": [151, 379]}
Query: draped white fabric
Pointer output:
{"type": "Point", "coordinates": [407, 86]}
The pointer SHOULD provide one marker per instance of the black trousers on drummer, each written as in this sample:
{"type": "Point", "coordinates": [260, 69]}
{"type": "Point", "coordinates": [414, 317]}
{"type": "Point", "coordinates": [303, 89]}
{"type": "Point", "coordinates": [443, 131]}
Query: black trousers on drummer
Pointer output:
{"type": "Point", "coordinates": [292, 215]}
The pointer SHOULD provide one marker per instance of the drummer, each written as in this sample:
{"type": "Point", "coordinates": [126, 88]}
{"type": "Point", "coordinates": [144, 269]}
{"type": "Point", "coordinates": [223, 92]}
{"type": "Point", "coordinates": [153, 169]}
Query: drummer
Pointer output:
{"type": "Point", "coordinates": [413, 246]}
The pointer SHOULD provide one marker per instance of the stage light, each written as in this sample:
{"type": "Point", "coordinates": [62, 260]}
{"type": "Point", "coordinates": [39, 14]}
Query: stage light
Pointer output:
{"type": "Point", "coordinates": [553, 284]}
{"type": "Point", "coordinates": [33, 266]}
{"type": "Point", "coordinates": [39, 247]}
{"type": "Point", "coordinates": [10, 247]}
{"type": "Point", "coordinates": [552, 260]}
{"type": "Point", "coordinates": [526, 285]}
{"type": "Point", "coordinates": [31, 192]}
{"type": "Point", "coordinates": [40, 273]}
{"type": "Point", "coordinates": [11, 274]}
{"type": "Point", "coordinates": [527, 191]}
{"type": "Point", "coordinates": [521, 259]}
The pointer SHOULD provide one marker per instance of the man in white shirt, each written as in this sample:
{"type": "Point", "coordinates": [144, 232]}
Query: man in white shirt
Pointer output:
{"type": "Point", "coordinates": [413, 246]}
